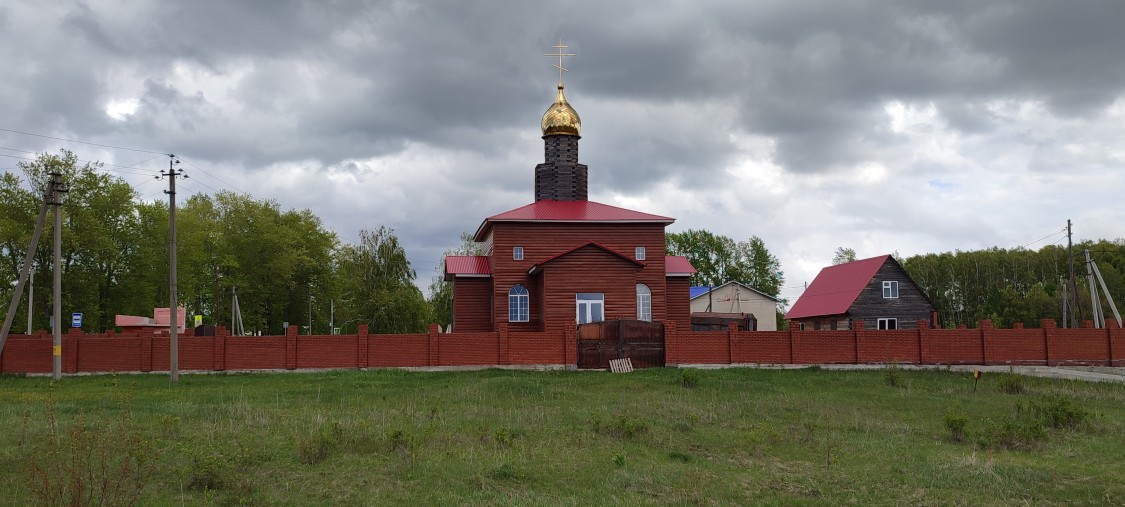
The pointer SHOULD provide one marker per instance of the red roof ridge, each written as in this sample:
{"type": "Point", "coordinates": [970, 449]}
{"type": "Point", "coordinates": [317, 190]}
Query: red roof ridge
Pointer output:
{"type": "Point", "coordinates": [548, 210]}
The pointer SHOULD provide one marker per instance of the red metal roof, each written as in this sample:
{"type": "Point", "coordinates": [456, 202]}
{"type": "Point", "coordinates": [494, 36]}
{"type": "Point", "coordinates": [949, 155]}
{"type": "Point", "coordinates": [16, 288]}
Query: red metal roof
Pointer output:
{"type": "Point", "coordinates": [676, 265]}
{"type": "Point", "coordinates": [571, 211]}
{"type": "Point", "coordinates": [539, 264]}
{"type": "Point", "coordinates": [467, 265]}
{"type": "Point", "coordinates": [835, 288]}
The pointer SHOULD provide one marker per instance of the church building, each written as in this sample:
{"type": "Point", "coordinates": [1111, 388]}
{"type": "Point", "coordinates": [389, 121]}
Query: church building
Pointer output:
{"type": "Point", "coordinates": [563, 259]}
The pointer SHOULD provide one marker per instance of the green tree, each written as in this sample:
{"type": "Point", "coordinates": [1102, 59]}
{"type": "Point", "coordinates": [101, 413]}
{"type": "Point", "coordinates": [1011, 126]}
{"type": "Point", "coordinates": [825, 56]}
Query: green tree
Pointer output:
{"type": "Point", "coordinates": [377, 282]}
{"type": "Point", "coordinates": [843, 255]}
{"type": "Point", "coordinates": [719, 259]}
{"type": "Point", "coordinates": [99, 236]}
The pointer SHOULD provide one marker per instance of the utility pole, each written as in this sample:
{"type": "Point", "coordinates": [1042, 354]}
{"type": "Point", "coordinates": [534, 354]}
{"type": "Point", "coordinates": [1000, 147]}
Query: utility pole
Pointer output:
{"type": "Point", "coordinates": [30, 298]}
{"type": "Point", "coordinates": [57, 189]}
{"type": "Point", "coordinates": [1073, 285]}
{"type": "Point", "coordinates": [1095, 303]}
{"type": "Point", "coordinates": [173, 342]}
{"type": "Point", "coordinates": [16, 294]}
{"type": "Point", "coordinates": [310, 308]}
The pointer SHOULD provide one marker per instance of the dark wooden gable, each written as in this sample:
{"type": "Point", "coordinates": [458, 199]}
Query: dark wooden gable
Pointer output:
{"type": "Point", "coordinates": [909, 307]}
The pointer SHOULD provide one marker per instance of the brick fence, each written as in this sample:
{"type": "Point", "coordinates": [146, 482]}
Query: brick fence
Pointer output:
{"type": "Point", "coordinates": [144, 352]}
{"type": "Point", "coordinates": [1048, 345]}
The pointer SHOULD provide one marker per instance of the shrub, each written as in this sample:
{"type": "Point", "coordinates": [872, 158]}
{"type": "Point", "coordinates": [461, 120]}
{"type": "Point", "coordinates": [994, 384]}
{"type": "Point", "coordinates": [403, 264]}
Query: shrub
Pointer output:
{"type": "Point", "coordinates": [892, 375]}
{"type": "Point", "coordinates": [622, 427]}
{"type": "Point", "coordinates": [105, 465]}
{"type": "Point", "coordinates": [619, 460]}
{"type": "Point", "coordinates": [401, 443]}
{"type": "Point", "coordinates": [314, 447]}
{"type": "Point", "coordinates": [1013, 434]}
{"type": "Point", "coordinates": [690, 377]}
{"type": "Point", "coordinates": [1011, 383]}
{"type": "Point", "coordinates": [208, 468]}
{"type": "Point", "coordinates": [955, 421]}
{"type": "Point", "coordinates": [1059, 412]}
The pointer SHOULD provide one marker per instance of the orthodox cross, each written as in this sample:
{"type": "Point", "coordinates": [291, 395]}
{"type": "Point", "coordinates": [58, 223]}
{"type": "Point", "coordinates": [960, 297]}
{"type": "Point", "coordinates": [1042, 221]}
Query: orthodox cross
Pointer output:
{"type": "Point", "coordinates": [559, 53]}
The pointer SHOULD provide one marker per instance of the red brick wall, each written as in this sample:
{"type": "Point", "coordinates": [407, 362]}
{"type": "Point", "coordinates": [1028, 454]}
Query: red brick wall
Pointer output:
{"type": "Point", "coordinates": [761, 347]}
{"type": "Point", "coordinates": [463, 349]}
{"type": "Point", "coordinates": [143, 352]}
{"type": "Point", "coordinates": [254, 353]}
{"type": "Point", "coordinates": [894, 346]}
{"type": "Point", "coordinates": [952, 346]}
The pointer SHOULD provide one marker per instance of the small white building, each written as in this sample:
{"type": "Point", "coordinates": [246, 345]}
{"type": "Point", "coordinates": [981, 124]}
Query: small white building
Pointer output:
{"type": "Point", "coordinates": [734, 298]}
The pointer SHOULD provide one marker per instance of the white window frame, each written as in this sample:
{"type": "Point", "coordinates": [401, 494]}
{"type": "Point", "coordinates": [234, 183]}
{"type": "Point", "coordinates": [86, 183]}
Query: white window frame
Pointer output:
{"type": "Point", "coordinates": [886, 323]}
{"type": "Point", "coordinates": [639, 253]}
{"type": "Point", "coordinates": [589, 307]}
{"type": "Point", "coordinates": [890, 289]}
{"type": "Point", "coordinates": [519, 304]}
{"type": "Point", "coordinates": [644, 302]}
{"type": "Point", "coordinates": [517, 253]}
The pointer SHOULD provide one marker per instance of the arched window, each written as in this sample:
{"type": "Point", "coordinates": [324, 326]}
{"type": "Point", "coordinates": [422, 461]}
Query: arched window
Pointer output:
{"type": "Point", "coordinates": [644, 302]}
{"type": "Point", "coordinates": [518, 304]}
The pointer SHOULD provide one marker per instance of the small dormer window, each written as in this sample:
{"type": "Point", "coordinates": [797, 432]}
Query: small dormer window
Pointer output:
{"type": "Point", "coordinates": [890, 290]}
{"type": "Point", "coordinates": [517, 253]}
{"type": "Point", "coordinates": [640, 253]}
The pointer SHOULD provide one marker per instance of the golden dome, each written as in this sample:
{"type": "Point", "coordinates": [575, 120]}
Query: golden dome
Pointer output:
{"type": "Point", "coordinates": [560, 118]}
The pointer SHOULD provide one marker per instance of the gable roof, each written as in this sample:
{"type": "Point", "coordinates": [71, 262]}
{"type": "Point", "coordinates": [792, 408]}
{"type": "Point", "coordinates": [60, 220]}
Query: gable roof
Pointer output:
{"type": "Point", "coordinates": [695, 292]}
{"type": "Point", "coordinates": [467, 265]}
{"type": "Point", "coordinates": [835, 288]}
{"type": "Point", "coordinates": [570, 212]}
{"type": "Point", "coordinates": [539, 265]}
{"type": "Point", "coordinates": [678, 265]}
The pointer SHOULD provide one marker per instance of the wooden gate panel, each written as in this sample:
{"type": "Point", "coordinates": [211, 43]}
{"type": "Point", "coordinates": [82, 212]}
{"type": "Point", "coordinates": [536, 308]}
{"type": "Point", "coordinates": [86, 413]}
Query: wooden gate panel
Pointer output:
{"type": "Point", "coordinates": [640, 341]}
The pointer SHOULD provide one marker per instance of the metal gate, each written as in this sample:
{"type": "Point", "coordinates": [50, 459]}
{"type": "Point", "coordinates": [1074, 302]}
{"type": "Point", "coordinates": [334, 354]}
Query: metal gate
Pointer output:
{"type": "Point", "coordinates": [640, 341]}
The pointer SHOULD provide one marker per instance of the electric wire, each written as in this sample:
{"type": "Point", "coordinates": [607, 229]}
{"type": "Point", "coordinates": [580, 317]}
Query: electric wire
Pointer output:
{"type": "Point", "coordinates": [84, 142]}
{"type": "Point", "coordinates": [1063, 230]}
{"type": "Point", "coordinates": [214, 177]}
{"type": "Point", "coordinates": [101, 165]}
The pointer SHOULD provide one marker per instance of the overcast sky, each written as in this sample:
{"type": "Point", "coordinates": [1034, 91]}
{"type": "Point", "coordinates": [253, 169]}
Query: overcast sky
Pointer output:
{"type": "Point", "coordinates": [883, 126]}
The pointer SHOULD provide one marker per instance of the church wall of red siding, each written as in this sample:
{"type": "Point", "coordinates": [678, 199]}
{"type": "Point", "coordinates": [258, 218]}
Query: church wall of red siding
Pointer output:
{"type": "Point", "coordinates": [541, 241]}
{"type": "Point", "coordinates": [471, 310]}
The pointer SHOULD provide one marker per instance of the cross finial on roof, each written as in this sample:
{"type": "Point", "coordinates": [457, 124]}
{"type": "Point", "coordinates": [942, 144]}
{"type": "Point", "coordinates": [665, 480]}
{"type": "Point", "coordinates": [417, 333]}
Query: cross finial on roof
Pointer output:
{"type": "Point", "coordinates": [559, 53]}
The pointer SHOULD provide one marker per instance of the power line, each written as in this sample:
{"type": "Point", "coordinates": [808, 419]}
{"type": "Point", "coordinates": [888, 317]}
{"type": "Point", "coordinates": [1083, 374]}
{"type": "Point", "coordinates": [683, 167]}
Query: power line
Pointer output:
{"type": "Point", "coordinates": [84, 142]}
{"type": "Point", "coordinates": [215, 177]}
{"type": "Point", "coordinates": [100, 164]}
{"type": "Point", "coordinates": [1061, 231]}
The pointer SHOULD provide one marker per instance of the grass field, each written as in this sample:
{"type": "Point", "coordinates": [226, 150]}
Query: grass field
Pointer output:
{"type": "Point", "coordinates": [498, 437]}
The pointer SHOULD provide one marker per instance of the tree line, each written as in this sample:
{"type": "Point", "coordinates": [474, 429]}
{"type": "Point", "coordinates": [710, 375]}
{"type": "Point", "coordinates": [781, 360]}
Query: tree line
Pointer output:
{"type": "Point", "coordinates": [1016, 285]}
{"type": "Point", "coordinates": [285, 265]}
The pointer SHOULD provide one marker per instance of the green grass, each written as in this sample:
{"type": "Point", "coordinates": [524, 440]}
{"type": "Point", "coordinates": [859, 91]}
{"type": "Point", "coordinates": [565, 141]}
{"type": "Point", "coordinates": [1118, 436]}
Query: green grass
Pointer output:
{"type": "Point", "coordinates": [496, 437]}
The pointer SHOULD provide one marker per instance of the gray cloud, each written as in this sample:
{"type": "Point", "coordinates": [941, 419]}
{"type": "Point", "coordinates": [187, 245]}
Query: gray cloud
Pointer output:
{"type": "Point", "coordinates": [426, 113]}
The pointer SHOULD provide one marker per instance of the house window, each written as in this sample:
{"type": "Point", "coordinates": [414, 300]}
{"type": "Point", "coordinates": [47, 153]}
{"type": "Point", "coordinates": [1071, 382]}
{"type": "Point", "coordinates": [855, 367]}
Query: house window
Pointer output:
{"type": "Point", "coordinates": [800, 326]}
{"type": "Point", "coordinates": [639, 253]}
{"type": "Point", "coordinates": [517, 253]}
{"type": "Point", "coordinates": [590, 307]}
{"type": "Point", "coordinates": [888, 323]}
{"type": "Point", "coordinates": [890, 290]}
{"type": "Point", "coordinates": [518, 304]}
{"type": "Point", "coordinates": [644, 302]}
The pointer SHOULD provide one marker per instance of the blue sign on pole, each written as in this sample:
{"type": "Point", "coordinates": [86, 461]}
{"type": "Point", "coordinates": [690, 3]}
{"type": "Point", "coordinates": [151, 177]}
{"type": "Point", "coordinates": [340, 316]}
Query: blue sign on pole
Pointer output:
{"type": "Point", "coordinates": [76, 320]}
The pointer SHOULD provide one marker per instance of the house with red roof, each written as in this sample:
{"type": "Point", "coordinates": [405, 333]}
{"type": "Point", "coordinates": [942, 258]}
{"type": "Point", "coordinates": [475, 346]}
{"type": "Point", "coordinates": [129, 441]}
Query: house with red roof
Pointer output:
{"type": "Point", "coordinates": [876, 291]}
{"type": "Point", "coordinates": [563, 259]}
